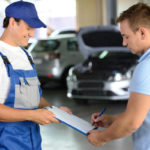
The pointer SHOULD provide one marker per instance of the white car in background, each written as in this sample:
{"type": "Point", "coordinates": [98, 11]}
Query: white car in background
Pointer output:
{"type": "Point", "coordinates": [54, 56]}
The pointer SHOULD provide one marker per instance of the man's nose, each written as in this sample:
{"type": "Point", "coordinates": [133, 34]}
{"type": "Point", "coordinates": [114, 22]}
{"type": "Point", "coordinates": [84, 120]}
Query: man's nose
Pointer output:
{"type": "Point", "coordinates": [31, 33]}
{"type": "Point", "coordinates": [124, 43]}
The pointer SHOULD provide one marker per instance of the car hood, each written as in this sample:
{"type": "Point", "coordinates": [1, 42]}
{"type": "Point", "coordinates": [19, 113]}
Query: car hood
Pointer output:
{"type": "Point", "coordinates": [98, 38]}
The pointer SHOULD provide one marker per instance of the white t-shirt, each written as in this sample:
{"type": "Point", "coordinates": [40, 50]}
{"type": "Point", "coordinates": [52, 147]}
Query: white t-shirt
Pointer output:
{"type": "Point", "coordinates": [18, 60]}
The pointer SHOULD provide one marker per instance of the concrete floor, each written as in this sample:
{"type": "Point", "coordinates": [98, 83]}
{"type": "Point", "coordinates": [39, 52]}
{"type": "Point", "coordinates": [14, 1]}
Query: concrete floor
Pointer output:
{"type": "Point", "coordinates": [61, 137]}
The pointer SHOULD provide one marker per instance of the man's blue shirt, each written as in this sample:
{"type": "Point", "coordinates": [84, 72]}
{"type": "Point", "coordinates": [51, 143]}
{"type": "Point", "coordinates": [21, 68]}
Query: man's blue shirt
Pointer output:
{"type": "Point", "coordinates": [140, 81]}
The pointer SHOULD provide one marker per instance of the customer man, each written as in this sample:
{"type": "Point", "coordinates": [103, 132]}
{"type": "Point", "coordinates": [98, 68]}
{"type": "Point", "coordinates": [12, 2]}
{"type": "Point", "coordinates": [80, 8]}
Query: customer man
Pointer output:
{"type": "Point", "coordinates": [20, 102]}
{"type": "Point", "coordinates": [135, 30]}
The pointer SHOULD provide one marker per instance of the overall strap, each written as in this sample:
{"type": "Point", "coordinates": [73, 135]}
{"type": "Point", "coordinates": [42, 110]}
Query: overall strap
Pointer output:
{"type": "Point", "coordinates": [29, 58]}
{"type": "Point", "coordinates": [33, 65]}
{"type": "Point", "coordinates": [10, 99]}
{"type": "Point", "coordinates": [6, 62]}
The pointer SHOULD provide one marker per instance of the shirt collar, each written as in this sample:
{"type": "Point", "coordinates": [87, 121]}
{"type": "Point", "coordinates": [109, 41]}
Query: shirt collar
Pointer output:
{"type": "Point", "coordinates": [145, 55]}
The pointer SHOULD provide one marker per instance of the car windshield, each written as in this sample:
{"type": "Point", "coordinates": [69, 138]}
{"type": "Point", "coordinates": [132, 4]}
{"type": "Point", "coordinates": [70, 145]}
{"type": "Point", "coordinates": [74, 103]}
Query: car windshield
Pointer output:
{"type": "Point", "coordinates": [46, 45]}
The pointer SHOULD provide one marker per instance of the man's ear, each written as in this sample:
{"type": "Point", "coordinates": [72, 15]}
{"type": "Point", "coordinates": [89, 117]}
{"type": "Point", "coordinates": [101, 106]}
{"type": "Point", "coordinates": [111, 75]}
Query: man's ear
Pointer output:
{"type": "Point", "coordinates": [12, 22]}
{"type": "Point", "coordinates": [142, 32]}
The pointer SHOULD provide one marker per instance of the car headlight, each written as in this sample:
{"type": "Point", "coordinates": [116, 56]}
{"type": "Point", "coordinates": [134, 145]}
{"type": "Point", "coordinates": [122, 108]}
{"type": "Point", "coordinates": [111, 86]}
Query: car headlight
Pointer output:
{"type": "Point", "coordinates": [120, 77]}
{"type": "Point", "coordinates": [128, 75]}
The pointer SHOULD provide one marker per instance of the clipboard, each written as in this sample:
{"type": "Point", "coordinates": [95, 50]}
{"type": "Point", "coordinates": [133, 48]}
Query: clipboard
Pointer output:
{"type": "Point", "coordinates": [71, 120]}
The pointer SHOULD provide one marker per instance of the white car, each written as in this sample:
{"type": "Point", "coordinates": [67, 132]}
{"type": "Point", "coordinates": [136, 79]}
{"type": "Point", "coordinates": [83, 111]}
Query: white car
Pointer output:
{"type": "Point", "coordinates": [107, 68]}
{"type": "Point", "coordinates": [54, 56]}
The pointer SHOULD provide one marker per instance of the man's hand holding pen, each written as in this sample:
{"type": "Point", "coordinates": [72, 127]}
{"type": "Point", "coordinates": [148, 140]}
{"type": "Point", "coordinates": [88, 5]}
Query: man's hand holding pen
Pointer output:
{"type": "Point", "coordinates": [96, 118]}
{"type": "Point", "coordinates": [94, 136]}
{"type": "Point", "coordinates": [99, 120]}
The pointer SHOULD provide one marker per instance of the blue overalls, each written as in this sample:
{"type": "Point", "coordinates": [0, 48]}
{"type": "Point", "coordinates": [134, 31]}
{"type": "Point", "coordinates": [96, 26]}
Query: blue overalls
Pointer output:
{"type": "Point", "coordinates": [24, 93]}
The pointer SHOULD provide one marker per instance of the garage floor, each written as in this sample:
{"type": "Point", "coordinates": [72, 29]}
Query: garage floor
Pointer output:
{"type": "Point", "coordinates": [61, 137]}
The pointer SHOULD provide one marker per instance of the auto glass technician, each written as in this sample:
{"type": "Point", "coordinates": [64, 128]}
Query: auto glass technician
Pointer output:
{"type": "Point", "coordinates": [135, 30]}
{"type": "Point", "coordinates": [20, 93]}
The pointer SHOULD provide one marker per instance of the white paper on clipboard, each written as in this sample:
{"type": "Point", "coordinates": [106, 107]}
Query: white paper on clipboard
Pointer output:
{"type": "Point", "coordinates": [71, 120]}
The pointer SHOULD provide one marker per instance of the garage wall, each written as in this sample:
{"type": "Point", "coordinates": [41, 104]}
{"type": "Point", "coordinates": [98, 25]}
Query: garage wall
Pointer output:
{"type": "Point", "coordinates": [124, 4]}
{"type": "Point", "coordinates": [96, 12]}
{"type": "Point", "coordinates": [90, 12]}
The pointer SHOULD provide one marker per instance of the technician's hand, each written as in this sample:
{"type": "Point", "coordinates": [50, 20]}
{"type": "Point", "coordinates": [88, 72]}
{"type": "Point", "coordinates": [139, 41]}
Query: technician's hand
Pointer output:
{"type": "Point", "coordinates": [103, 121]}
{"type": "Point", "coordinates": [43, 116]}
{"type": "Point", "coordinates": [95, 138]}
{"type": "Point", "coordinates": [68, 110]}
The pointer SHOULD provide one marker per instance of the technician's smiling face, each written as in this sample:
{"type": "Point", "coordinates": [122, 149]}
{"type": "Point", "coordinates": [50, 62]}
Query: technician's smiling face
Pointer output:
{"type": "Point", "coordinates": [22, 33]}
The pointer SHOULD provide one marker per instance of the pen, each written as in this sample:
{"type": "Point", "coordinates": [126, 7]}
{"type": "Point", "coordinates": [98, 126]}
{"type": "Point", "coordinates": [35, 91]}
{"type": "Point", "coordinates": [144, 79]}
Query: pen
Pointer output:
{"type": "Point", "coordinates": [103, 110]}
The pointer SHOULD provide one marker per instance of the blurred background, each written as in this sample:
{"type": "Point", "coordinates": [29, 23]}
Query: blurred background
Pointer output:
{"type": "Point", "coordinates": [74, 14]}
{"type": "Point", "coordinates": [81, 64]}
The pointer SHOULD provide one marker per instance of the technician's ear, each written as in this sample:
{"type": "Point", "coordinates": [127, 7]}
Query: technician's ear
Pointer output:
{"type": "Point", "coordinates": [12, 22]}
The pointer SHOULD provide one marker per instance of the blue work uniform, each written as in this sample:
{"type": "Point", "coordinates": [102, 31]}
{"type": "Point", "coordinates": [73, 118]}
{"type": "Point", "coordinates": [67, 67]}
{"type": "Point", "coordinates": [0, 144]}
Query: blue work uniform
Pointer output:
{"type": "Point", "coordinates": [140, 83]}
{"type": "Point", "coordinates": [24, 93]}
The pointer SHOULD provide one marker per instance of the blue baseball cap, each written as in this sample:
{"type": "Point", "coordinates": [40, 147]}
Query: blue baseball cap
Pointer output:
{"type": "Point", "coordinates": [25, 11]}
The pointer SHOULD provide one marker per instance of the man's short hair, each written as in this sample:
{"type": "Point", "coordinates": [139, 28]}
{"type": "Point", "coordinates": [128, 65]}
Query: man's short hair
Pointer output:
{"type": "Point", "coordinates": [137, 15]}
{"type": "Point", "coordinates": [6, 21]}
